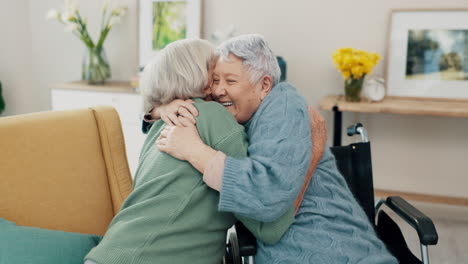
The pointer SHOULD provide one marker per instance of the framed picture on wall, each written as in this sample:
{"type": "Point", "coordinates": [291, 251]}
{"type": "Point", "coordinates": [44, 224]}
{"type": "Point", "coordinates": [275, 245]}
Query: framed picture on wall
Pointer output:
{"type": "Point", "coordinates": [164, 21]}
{"type": "Point", "coordinates": [427, 54]}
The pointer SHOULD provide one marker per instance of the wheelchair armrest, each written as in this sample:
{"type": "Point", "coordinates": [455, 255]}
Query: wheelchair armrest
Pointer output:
{"type": "Point", "coordinates": [247, 241]}
{"type": "Point", "coordinates": [419, 221]}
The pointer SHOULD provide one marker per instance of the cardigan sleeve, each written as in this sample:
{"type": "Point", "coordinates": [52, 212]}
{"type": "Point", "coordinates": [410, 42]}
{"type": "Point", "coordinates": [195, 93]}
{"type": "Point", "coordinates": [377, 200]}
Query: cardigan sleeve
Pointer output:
{"type": "Point", "coordinates": [264, 185]}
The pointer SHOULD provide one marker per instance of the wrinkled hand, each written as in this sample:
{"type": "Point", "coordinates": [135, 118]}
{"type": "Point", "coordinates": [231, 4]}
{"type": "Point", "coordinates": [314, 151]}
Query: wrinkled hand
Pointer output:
{"type": "Point", "coordinates": [170, 112]}
{"type": "Point", "coordinates": [181, 142]}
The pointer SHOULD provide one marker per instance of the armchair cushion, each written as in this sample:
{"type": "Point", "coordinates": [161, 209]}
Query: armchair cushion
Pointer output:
{"type": "Point", "coordinates": [31, 245]}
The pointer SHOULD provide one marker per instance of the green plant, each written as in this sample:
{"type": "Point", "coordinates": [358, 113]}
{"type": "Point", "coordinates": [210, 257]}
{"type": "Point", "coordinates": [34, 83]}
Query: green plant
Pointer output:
{"type": "Point", "coordinates": [2, 102]}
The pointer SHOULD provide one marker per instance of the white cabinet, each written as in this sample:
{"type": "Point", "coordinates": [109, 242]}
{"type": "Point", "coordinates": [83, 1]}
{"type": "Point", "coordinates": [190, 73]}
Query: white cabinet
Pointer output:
{"type": "Point", "coordinates": [117, 94]}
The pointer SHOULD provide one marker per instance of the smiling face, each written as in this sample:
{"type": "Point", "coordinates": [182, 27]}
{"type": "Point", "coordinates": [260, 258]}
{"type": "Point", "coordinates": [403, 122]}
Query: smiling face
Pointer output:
{"type": "Point", "coordinates": [233, 89]}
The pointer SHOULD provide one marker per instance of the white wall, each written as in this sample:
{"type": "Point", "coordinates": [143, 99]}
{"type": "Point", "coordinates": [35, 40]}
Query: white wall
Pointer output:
{"type": "Point", "coordinates": [411, 153]}
{"type": "Point", "coordinates": [15, 58]}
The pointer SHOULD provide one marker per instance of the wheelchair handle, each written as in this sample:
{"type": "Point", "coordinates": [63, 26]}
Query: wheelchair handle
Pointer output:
{"type": "Point", "coordinates": [358, 128]}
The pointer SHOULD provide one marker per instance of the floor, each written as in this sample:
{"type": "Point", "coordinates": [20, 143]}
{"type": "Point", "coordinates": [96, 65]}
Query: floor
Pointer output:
{"type": "Point", "coordinates": [451, 223]}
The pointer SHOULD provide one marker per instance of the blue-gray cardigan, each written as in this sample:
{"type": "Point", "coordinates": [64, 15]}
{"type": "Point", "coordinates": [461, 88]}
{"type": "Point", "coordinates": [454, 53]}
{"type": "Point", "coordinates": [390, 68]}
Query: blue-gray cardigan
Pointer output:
{"type": "Point", "coordinates": [330, 226]}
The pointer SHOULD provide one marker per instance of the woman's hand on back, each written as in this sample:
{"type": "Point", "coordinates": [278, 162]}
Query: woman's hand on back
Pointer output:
{"type": "Point", "coordinates": [171, 112]}
{"type": "Point", "coordinates": [184, 143]}
{"type": "Point", "coordinates": [179, 141]}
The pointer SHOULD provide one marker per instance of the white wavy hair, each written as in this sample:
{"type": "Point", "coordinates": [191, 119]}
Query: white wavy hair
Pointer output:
{"type": "Point", "coordinates": [255, 53]}
{"type": "Point", "coordinates": [179, 71]}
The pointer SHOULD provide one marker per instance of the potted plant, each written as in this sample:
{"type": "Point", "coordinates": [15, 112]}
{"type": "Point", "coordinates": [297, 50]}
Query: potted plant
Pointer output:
{"type": "Point", "coordinates": [354, 65]}
{"type": "Point", "coordinates": [95, 68]}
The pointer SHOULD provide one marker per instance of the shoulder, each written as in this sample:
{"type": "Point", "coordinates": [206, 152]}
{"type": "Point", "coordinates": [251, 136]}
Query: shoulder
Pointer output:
{"type": "Point", "coordinates": [212, 111]}
{"type": "Point", "coordinates": [215, 123]}
{"type": "Point", "coordinates": [283, 113]}
{"type": "Point", "coordinates": [210, 108]}
{"type": "Point", "coordinates": [283, 103]}
{"type": "Point", "coordinates": [287, 95]}
{"type": "Point", "coordinates": [155, 129]}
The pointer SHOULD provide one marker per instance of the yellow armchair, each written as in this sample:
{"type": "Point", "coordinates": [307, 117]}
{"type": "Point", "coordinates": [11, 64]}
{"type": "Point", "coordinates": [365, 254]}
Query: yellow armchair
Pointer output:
{"type": "Point", "coordinates": [63, 170]}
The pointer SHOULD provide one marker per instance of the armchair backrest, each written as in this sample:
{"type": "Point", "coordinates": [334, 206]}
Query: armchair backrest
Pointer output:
{"type": "Point", "coordinates": [63, 170]}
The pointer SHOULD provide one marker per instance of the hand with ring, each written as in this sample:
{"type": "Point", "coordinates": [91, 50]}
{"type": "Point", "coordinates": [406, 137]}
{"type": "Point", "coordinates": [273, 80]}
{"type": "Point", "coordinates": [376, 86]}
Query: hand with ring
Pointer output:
{"type": "Point", "coordinates": [171, 112]}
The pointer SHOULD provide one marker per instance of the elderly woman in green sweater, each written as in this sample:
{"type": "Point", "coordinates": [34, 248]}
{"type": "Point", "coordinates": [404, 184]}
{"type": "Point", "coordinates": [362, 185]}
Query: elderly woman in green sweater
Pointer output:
{"type": "Point", "coordinates": [171, 215]}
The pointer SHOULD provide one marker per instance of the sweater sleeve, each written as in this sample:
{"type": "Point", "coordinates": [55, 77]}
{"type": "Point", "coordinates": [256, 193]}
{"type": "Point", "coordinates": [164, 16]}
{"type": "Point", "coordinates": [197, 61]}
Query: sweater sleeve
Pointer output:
{"type": "Point", "coordinates": [264, 185]}
{"type": "Point", "coordinates": [268, 232]}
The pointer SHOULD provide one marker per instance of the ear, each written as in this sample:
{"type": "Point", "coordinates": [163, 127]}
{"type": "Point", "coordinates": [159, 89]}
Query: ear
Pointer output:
{"type": "Point", "coordinates": [207, 90]}
{"type": "Point", "coordinates": [266, 85]}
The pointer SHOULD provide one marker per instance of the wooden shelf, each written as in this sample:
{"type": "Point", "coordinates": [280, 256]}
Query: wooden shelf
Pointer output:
{"type": "Point", "coordinates": [108, 86]}
{"type": "Point", "coordinates": [402, 106]}
{"type": "Point", "coordinates": [399, 105]}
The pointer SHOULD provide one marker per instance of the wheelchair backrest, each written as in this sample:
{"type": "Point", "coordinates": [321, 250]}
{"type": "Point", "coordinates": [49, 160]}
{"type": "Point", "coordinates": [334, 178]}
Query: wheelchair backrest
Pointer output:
{"type": "Point", "coordinates": [354, 163]}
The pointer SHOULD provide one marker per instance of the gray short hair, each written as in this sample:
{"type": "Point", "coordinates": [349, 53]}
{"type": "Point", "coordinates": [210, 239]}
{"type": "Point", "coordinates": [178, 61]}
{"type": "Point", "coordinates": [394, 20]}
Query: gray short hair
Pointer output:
{"type": "Point", "coordinates": [179, 71]}
{"type": "Point", "coordinates": [256, 55]}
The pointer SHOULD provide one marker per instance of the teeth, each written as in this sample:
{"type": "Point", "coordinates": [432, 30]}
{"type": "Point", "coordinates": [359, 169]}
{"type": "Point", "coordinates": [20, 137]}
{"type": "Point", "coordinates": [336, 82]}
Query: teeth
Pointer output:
{"type": "Point", "coordinates": [227, 103]}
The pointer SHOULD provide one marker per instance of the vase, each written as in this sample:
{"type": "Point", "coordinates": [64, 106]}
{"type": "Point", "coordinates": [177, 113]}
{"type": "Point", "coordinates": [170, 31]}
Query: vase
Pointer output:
{"type": "Point", "coordinates": [95, 68]}
{"type": "Point", "coordinates": [353, 88]}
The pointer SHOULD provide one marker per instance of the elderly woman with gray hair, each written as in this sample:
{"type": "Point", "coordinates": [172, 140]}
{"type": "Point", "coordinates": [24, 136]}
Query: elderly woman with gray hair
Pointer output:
{"type": "Point", "coordinates": [171, 215]}
{"type": "Point", "coordinates": [330, 226]}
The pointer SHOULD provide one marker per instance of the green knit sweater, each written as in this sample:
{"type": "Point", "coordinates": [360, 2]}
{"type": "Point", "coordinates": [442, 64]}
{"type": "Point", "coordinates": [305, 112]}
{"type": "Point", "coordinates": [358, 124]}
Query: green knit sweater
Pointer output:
{"type": "Point", "coordinates": [171, 215]}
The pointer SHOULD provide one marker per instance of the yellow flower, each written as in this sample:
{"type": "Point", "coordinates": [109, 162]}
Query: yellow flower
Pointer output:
{"type": "Point", "coordinates": [366, 62]}
{"type": "Point", "coordinates": [337, 58]}
{"type": "Point", "coordinates": [346, 50]}
{"type": "Point", "coordinates": [354, 63]}
{"type": "Point", "coordinates": [346, 59]}
{"type": "Point", "coordinates": [345, 74]}
{"type": "Point", "coordinates": [357, 71]}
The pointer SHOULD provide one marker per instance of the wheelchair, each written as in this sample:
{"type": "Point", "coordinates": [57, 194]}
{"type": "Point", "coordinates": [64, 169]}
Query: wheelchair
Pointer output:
{"type": "Point", "coordinates": [354, 163]}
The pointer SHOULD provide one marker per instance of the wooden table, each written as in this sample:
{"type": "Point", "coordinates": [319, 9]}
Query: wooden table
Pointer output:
{"type": "Point", "coordinates": [392, 105]}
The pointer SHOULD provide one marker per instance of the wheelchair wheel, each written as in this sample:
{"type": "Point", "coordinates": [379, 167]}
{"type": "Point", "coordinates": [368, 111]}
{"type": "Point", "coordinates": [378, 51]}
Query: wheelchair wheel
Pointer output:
{"type": "Point", "coordinates": [232, 251]}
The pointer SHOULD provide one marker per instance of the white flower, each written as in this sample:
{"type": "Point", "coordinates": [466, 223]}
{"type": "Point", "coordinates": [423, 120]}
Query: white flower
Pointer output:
{"type": "Point", "coordinates": [67, 16]}
{"type": "Point", "coordinates": [114, 20]}
{"type": "Point", "coordinates": [74, 7]}
{"type": "Point", "coordinates": [73, 21]}
{"type": "Point", "coordinates": [69, 27]}
{"type": "Point", "coordinates": [71, 6]}
{"type": "Point", "coordinates": [119, 11]}
{"type": "Point", "coordinates": [53, 14]}
{"type": "Point", "coordinates": [106, 5]}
